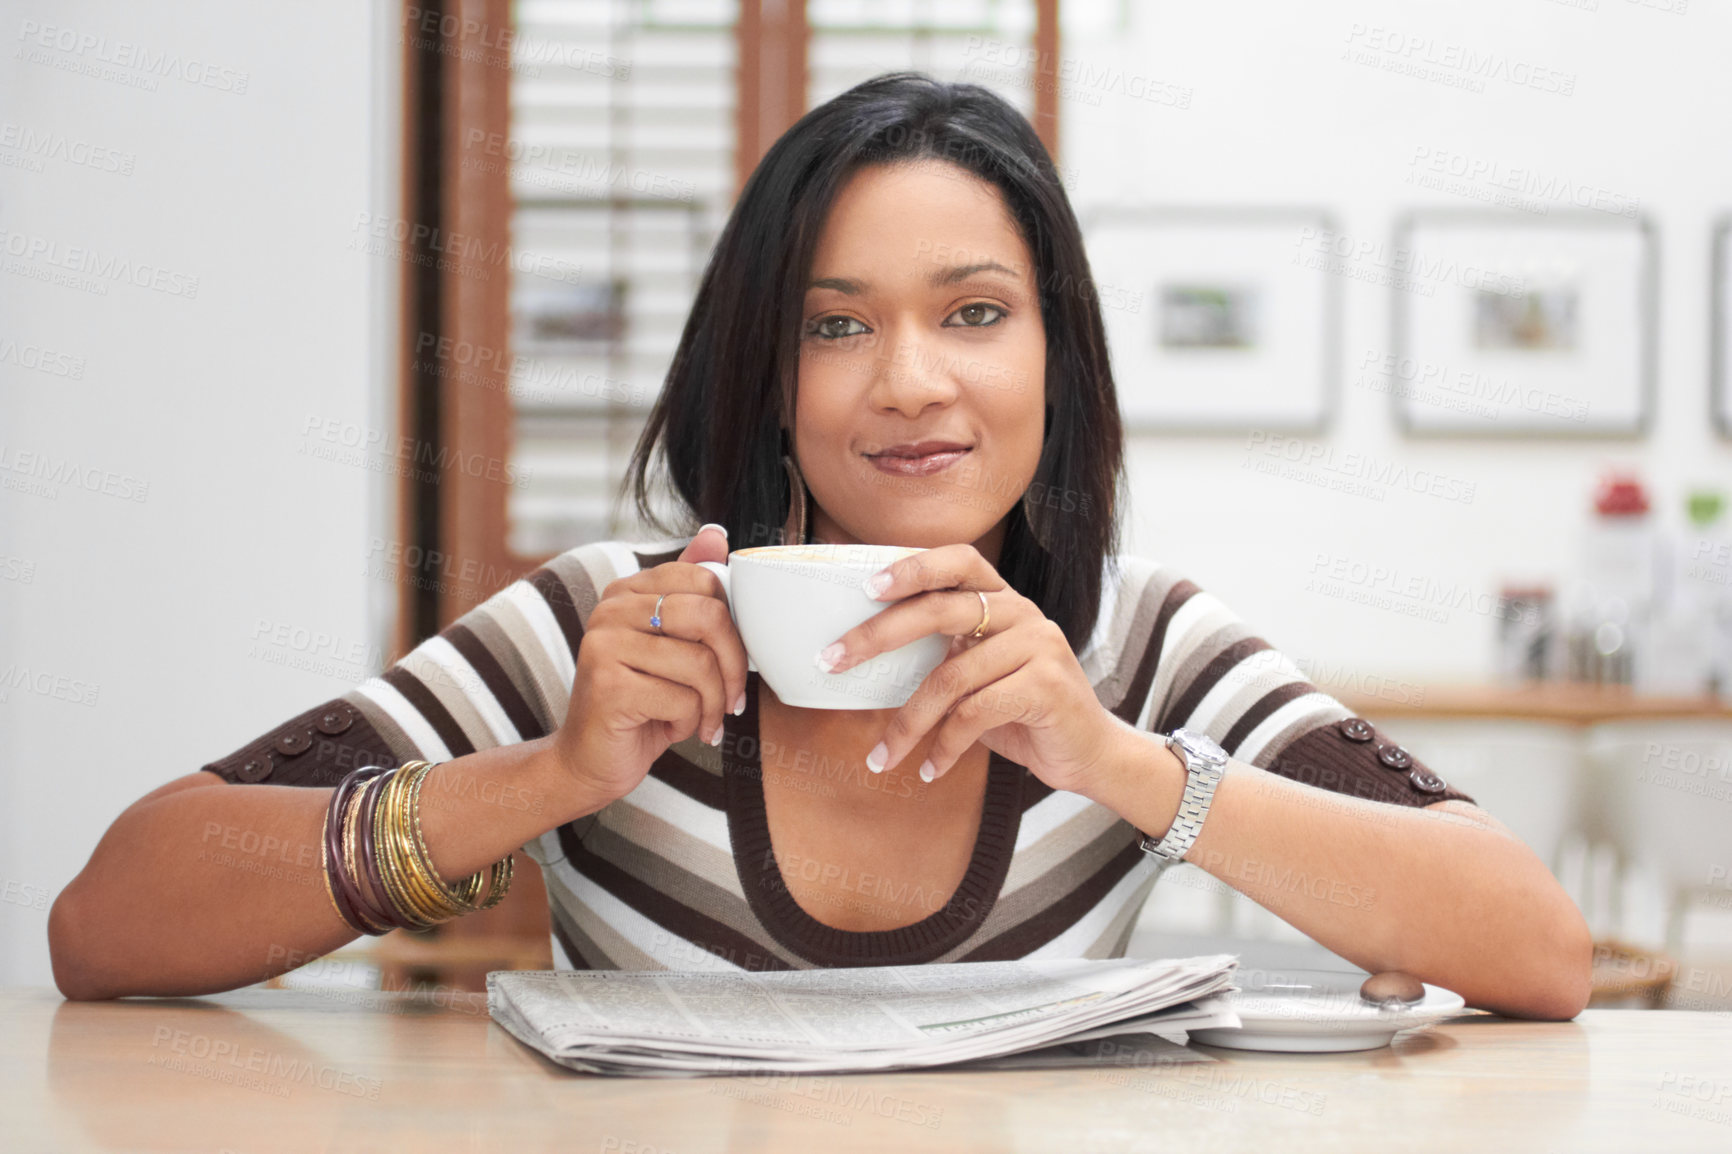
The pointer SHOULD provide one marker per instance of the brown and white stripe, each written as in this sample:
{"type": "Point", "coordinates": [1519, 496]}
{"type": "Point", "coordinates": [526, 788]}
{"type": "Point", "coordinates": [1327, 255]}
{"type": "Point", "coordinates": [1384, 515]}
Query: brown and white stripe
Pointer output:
{"type": "Point", "coordinates": [680, 873]}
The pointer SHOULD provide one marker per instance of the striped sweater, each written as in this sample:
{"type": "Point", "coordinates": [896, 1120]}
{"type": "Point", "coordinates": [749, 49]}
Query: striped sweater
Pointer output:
{"type": "Point", "coordinates": [681, 873]}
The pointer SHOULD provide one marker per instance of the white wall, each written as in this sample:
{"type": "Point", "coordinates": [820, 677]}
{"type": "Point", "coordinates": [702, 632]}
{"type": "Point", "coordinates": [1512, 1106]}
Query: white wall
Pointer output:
{"type": "Point", "coordinates": [156, 602]}
{"type": "Point", "coordinates": [151, 605]}
{"type": "Point", "coordinates": [1276, 116]}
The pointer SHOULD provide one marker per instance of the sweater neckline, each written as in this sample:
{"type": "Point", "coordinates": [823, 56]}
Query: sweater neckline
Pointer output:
{"type": "Point", "coordinates": [767, 891]}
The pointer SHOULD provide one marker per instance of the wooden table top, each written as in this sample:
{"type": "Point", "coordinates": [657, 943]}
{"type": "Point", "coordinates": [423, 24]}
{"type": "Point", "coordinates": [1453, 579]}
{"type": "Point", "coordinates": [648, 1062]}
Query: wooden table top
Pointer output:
{"type": "Point", "coordinates": [1567, 702]}
{"type": "Point", "coordinates": [298, 1070]}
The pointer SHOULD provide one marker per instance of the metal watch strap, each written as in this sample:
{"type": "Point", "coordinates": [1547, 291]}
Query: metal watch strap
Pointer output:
{"type": "Point", "coordinates": [1205, 762]}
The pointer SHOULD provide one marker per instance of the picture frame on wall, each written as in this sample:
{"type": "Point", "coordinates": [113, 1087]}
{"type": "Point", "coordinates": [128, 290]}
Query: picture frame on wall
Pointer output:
{"type": "Point", "coordinates": [1720, 355]}
{"type": "Point", "coordinates": [1215, 319]}
{"type": "Point", "coordinates": [576, 317]}
{"type": "Point", "coordinates": [1506, 325]}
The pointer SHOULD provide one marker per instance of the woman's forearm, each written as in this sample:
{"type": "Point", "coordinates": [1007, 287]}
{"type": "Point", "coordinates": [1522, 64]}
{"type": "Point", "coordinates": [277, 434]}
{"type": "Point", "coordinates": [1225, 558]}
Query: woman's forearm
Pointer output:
{"type": "Point", "coordinates": [203, 886]}
{"type": "Point", "coordinates": [1447, 894]}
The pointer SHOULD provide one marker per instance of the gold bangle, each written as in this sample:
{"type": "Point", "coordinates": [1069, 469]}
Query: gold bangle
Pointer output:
{"type": "Point", "coordinates": [410, 894]}
{"type": "Point", "coordinates": [414, 888]}
{"type": "Point", "coordinates": [500, 882]}
{"type": "Point", "coordinates": [463, 895]}
{"type": "Point", "coordinates": [422, 883]}
{"type": "Point", "coordinates": [454, 901]}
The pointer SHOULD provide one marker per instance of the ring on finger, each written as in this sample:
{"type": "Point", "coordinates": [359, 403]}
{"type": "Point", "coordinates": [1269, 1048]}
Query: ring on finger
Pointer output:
{"type": "Point", "coordinates": [985, 618]}
{"type": "Point", "coordinates": [656, 615]}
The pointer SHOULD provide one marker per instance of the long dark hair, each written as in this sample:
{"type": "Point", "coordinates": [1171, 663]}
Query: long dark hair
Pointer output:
{"type": "Point", "coordinates": [717, 424]}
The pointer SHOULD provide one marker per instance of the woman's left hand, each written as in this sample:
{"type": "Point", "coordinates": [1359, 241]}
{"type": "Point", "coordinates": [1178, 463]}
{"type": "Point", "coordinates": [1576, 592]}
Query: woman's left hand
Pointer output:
{"type": "Point", "coordinates": [1018, 688]}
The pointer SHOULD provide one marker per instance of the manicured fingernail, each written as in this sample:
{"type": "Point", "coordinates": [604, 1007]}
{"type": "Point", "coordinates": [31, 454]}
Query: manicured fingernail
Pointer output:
{"type": "Point", "coordinates": [829, 656]}
{"type": "Point", "coordinates": [876, 584]}
{"type": "Point", "coordinates": [927, 771]}
{"type": "Point", "coordinates": [713, 525]}
{"type": "Point", "coordinates": [876, 759]}
{"type": "Point", "coordinates": [716, 738]}
{"type": "Point", "coordinates": [739, 704]}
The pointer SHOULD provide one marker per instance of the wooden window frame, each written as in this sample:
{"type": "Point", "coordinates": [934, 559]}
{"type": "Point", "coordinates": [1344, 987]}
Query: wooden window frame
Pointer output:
{"type": "Point", "coordinates": [454, 503]}
{"type": "Point", "coordinates": [455, 418]}
{"type": "Point", "coordinates": [460, 521]}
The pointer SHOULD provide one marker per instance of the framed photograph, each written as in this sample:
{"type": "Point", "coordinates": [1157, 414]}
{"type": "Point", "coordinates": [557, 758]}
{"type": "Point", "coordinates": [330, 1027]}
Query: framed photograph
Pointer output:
{"type": "Point", "coordinates": [1215, 320]}
{"type": "Point", "coordinates": [576, 317]}
{"type": "Point", "coordinates": [1507, 325]}
{"type": "Point", "coordinates": [1720, 357]}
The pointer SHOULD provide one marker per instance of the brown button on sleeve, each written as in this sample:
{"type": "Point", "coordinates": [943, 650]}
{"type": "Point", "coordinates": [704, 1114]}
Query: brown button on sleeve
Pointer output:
{"type": "Point", "coordinates": [1355, 729]}
{"type": "Point", "coordinates": [1352, 756]}
{"type": "Point", "coordinates": [315, 748]}
{"type": "Point", "coordinates": [292, 742]}
{"type": "Point", "coordinates": [1394, 756]}
{"type": "Point", "coordinates": [254, 769]}
{"type": "Point", "coordinates": [335, 718]}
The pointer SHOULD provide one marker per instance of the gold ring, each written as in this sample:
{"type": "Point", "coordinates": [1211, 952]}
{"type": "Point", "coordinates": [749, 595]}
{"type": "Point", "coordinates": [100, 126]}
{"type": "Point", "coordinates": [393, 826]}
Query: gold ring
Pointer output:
{"type": "Point", "coordinates": [985, 617]}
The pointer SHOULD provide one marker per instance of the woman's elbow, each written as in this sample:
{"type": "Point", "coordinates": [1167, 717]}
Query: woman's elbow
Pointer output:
{"type": "Point", "coordinates": [1558, 979]}
{"type": "Point", "coordinates": [68, 952]}
{"type": "Point", "coordinates": [1577, 968]}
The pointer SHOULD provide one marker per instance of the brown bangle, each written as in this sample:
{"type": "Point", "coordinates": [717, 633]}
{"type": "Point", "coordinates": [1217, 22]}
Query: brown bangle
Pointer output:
{"type": "Point", "coordinates": [373, 908]}
{"type": "Point", "coordinates": [324, 840]}
{"type": "Point", "coordinates": [334, 855]}
{"type": "Point", "coordinates": [381, 911]}
{"type": "Point", "coordinates": [333, 860]}
{"type": "Point", "coordinates": [338, 839]}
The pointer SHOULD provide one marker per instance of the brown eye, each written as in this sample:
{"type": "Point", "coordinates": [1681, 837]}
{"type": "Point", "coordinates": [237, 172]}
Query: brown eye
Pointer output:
{"type": "Point", "coordinates": [976, 316]}
{"type": "Point", "coordinates": [835, 328]}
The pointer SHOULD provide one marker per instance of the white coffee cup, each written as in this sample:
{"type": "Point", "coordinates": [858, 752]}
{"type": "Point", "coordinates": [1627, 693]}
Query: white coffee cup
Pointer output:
{"type": "Point", "coordinates": [790, 601]}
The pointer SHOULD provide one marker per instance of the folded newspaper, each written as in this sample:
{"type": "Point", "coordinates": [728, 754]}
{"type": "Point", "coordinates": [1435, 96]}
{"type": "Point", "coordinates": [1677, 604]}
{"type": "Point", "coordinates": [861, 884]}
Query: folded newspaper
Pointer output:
{"type": "Point", "coordinates": [671, 1023]}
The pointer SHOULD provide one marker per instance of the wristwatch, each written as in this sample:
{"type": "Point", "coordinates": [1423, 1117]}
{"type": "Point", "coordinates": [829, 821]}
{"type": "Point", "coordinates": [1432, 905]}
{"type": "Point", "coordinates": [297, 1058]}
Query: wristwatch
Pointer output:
{"type": "Point", "coordinates": [1205, 762]}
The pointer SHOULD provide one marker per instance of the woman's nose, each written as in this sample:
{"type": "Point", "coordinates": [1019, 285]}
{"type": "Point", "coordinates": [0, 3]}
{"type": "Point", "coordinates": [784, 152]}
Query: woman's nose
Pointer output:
{"type": "Point", "coordinates": [911, 375]}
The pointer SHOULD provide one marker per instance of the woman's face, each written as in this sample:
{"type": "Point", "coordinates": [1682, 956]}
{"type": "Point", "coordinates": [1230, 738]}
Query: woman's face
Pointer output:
{"type": "Point", "coordinates": [921, 394]}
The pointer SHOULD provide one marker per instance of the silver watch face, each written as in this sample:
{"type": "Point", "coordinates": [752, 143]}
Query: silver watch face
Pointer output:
{"type": "Point", "coordinates": [1200, 746]}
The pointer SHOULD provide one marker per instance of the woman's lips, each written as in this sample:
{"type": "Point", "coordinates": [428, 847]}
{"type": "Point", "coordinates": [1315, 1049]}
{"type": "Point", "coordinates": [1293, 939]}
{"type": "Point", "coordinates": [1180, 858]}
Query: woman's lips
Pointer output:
{"type": "Point", "coordinates": [923, 465]}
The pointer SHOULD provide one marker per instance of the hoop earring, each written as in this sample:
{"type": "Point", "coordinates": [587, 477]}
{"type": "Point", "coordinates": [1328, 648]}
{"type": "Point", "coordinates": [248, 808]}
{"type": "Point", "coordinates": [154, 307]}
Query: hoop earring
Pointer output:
{"type": "Point", "coordinates": [1038, 517]}
{"type": "Point", "coordinates": [794, 528]}
{"type": "Point", "coordinates": [1035, 517]}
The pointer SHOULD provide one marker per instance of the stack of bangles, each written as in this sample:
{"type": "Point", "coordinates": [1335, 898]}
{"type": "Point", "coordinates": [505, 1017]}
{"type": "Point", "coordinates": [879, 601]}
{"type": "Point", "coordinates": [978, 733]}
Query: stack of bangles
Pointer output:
{"type": "Point", "coordinates": [377, 869]}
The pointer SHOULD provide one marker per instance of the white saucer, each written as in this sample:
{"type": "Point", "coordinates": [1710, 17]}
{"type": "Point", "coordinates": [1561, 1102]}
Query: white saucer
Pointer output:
{"type": "Point", "coordinates": [1317, 1011]}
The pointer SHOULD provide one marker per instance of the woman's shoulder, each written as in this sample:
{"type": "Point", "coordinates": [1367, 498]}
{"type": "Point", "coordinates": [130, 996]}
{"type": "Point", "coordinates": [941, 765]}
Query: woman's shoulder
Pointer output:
{"type": "Point", "coordinates": [1130, 577]}
{"type": "Point", "coordinates": [572, 582]}
{"type": "Point", "coordinates": [1148, 602]}
{"type": "Point", "coordinates": [1139, 590]}
{"type": "Point", "coordinates": [608, 560]}
{"type": "Point", "coordinates": [1127, 582]}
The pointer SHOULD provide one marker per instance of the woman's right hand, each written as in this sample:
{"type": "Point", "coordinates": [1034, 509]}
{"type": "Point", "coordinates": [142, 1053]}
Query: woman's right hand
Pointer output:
{"type": "Point", "coordinates": [638, 690]}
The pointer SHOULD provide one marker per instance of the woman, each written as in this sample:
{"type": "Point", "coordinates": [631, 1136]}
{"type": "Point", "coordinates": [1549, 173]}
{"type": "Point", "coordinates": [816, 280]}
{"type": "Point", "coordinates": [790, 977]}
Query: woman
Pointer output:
{"type": "Point", "coordinates": [896, 341]}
